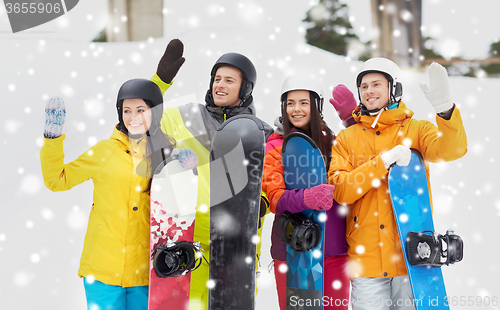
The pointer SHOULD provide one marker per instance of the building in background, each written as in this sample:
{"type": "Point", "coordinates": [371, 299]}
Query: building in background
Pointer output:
{"type": "Point", "coordinates": [397, 31]}
{"type": "Point", "coordinates": [134, 20]}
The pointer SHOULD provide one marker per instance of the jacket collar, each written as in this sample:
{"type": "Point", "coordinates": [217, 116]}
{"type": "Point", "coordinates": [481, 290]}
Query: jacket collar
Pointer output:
{"type": "Point", "coordinates": [224, 113]}
{"type": "Point", "coordinates": [135, 144]}
{"type": "Point", "coordinates": [387, 118]}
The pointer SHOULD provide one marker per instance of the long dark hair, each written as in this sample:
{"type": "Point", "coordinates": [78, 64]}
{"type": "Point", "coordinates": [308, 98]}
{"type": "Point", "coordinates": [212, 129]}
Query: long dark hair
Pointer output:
{"type": "Point", "coordinates": [318, 131]}
{"type": "Point", "coordinates": [158, 148]}
{"type": "Point", "coordinates": [159, 145]}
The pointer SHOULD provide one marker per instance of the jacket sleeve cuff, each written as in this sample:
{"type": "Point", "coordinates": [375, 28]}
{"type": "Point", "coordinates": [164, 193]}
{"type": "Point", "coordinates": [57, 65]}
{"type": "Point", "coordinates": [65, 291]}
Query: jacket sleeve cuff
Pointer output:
{"type": "Point", "coordinates": [53, 141]}
{"type": "Point", "coordinates": [447, 114]}
{"type": "Point", "coordinates": [162, 85]}
{"type": "Point", "coordinates": [292, 201]}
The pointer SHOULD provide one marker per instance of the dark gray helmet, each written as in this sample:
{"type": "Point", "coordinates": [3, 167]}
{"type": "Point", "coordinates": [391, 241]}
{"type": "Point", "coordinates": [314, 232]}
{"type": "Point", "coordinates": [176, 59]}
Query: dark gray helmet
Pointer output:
{"type": "Point", "coordinates": [141, 89]}
{"type": "Point", "coordinates": [248, 72]}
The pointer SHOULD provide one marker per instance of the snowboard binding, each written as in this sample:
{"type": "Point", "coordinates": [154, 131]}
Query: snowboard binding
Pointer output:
{"type": "Point", "coordinates": [177, 258]}
{"type": "Point", "coordinates": [299, 231]}
{"type": "Point", "coordinates": [430, 249]}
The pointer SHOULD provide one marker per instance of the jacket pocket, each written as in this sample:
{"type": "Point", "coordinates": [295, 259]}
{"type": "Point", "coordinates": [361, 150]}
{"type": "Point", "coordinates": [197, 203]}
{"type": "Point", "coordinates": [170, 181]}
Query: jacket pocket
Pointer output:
{"type": "Point", "coordinates": [352, 219]}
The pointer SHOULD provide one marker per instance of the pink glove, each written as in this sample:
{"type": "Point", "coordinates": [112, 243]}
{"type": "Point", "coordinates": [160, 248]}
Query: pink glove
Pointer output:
{"type": "Point", "coordinates": [343, 101]}
{"type": "Point", "coordinates": [319, 197]}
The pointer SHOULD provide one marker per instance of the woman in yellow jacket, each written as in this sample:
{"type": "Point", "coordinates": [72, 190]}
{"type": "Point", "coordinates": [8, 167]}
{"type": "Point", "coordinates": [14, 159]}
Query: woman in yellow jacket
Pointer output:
{"type": "Point", "coordinates": [383, 135]}
{"type": "Point", "coordinates": [115, 258]}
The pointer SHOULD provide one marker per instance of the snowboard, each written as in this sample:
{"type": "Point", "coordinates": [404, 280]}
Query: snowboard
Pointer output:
{"type": "Point", "coordinates": [304, 167]}
{"type": "Point", "coordinates": [173, 208]}
{"type": "Point", "coordinates": [236, 166]}
{"type": "Point", "coordinates": [412, 211]}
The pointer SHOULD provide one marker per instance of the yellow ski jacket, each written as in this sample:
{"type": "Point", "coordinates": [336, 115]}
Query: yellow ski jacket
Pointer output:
{"type": "Point", "coordinates": [116, 246]}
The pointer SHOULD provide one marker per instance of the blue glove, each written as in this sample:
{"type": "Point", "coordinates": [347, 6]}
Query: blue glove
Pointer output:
{"type": "Point", "coordinates": [55, 115]}
{"type": "Point", "coordinates": [187, 158]}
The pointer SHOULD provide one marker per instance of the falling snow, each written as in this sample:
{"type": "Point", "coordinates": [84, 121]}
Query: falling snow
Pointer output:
{"type": "Point", "coordinates": [37, 223]}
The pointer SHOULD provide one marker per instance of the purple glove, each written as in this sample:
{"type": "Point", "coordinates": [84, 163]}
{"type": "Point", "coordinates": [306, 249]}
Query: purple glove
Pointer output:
{"type": "Point", "coordinates": [319, 197]}
{"type": "Point", "coordinates": [343, 101]}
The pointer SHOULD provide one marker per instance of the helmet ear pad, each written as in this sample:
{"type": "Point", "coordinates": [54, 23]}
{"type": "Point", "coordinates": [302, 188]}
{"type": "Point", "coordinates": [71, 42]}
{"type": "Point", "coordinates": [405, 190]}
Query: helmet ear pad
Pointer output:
{"type": "Point", "coordinates": [246, 89]}
{"type": "Point", "coordinates": [398, 92]}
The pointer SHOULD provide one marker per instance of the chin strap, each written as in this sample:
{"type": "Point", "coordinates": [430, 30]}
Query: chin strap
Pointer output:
{"type": "Point", "coordinates": [378, 112]}
{"type": "Point", "coordinates": [378, 116]}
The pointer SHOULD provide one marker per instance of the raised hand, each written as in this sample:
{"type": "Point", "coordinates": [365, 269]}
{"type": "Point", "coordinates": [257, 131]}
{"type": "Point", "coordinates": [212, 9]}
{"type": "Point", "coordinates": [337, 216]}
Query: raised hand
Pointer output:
{"type": "Point", "coordinates": [171, 61]}
{"type": "Point", "coordinates": [55, 115]}
{"type": "Point", "coordinates": [343, 101]}
{"type": "Point", "coordinates": [438, 91]}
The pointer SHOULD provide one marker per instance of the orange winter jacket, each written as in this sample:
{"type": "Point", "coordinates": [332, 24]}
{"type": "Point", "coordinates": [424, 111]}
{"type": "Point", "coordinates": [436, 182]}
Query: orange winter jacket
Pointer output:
{"type": "Point", "coordinates": [360, 180]}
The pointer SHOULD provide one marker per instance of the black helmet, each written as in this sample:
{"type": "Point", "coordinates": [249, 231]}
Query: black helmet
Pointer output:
{"type": "Point", "coordinates": [141, 89]}
{"type": "Point", "coordinates": [248, 72]}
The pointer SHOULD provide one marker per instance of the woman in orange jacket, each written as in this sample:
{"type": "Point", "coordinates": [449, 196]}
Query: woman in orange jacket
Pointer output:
{"type": "Point", "coordinates": [302, 105]}
{"type": "Point", "coordinates": [383, 135]}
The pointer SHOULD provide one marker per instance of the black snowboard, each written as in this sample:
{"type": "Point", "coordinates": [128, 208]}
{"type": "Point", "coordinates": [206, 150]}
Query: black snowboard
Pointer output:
{"type": "Point", "coordinates": [236, 164]}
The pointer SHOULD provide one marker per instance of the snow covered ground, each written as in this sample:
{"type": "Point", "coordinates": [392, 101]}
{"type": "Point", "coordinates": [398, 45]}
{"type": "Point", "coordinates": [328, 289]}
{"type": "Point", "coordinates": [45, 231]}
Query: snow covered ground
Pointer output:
{"type": "Point", "coordinates": [41, 232]}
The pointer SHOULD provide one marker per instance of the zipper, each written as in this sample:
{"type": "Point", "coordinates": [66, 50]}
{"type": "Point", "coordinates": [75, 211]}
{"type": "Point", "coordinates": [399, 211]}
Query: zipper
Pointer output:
{"type": "Point", "coordinates": [224, 111]}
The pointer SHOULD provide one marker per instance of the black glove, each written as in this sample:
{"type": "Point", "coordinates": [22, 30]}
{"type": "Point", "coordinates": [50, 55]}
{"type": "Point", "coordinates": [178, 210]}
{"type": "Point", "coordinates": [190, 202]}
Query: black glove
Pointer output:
{"type": "Point", "coordinates": [171, 61]}
{"type": "Point", "coordinates": [263, 209]}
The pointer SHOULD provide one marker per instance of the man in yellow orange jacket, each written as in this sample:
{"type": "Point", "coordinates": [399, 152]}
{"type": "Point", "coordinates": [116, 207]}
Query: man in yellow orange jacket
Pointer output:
{"type": "Point", "coordinates": [383, 135]}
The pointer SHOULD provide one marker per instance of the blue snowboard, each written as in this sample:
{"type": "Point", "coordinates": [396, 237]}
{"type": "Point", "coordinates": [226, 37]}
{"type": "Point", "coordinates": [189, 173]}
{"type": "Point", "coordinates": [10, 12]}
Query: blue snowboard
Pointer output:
{"type": "Point", "coordinates": [412, 211]}
{"type": "Point", "coordinates": [304, 167]}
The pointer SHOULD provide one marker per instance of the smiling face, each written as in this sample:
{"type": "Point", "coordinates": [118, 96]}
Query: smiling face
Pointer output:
{"type": "Point", "coordinates": [298, 108]}
{"type": "Point", "coordinates": [136, 116]}
{"type": "Point", "coordinates": [374, 90]}
{"type": "Point", "coordinates": [226, 87]}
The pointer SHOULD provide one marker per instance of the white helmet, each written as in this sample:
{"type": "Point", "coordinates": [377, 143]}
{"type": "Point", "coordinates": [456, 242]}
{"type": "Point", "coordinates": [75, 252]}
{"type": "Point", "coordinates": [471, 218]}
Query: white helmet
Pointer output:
{"type": "Point", "coordinates": [387, 68]}
{"type": "Point", "coordinates": [297, 82]}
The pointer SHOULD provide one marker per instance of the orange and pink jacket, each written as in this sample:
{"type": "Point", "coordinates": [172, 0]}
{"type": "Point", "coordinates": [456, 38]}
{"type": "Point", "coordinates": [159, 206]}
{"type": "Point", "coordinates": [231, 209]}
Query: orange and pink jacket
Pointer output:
{"type": "Point", "coordinates": [281, 200]}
